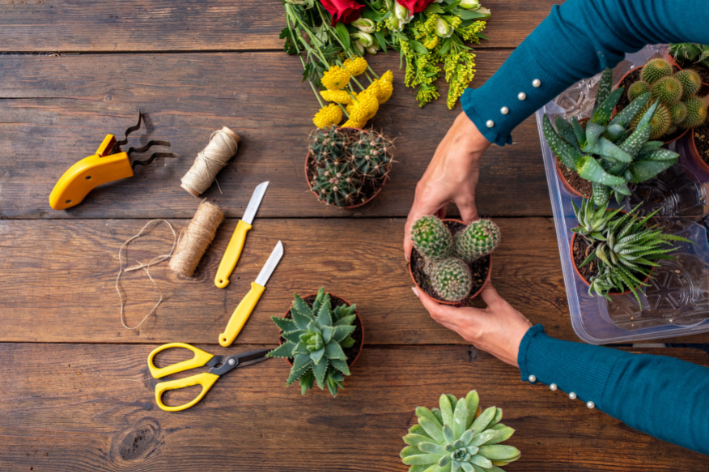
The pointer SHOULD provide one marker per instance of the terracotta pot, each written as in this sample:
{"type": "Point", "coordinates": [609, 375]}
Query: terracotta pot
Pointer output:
{"type": "Point", "coordinates": [361, 347]}
{"type": "Point", "coordinates": [694, 152]}
{"type": "Point", "coordinates": [566, 183]}
{"type": "Point", "coordinates": [443, 302]}
{"type": "Point", "coordinates": [351, 207]}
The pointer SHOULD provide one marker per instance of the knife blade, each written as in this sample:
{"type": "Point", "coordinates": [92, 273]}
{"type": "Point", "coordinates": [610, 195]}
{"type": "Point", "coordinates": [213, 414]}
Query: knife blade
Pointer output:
{"type": "Point", "coordinates": [248, 303]}
{"type": "Point", "coordinates": [236, 243]}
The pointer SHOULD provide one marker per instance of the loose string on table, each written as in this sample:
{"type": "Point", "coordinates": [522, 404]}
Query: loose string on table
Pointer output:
{"type": "Point", "coordinates": [222, 146]}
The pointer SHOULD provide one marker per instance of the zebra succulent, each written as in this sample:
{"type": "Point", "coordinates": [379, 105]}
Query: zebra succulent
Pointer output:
{"type": "Point", "coordinates": [458, 437]}
{"type": "Point", "coordinates": [314, 338]}
{"type": "Point", "coordinates": [478, 239]}
{"type": "Point", "coordinates": [608, 152]}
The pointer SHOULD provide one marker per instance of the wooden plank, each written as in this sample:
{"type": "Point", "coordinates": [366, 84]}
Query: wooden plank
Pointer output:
{"type": "Point", "coordinates": [56, 110]}
{"type": "Point", "coordinates": [91, 407]}
{"type": "Point", "coordinates": [58, 279]}
{"type": "Point", "coordinates": [165, 25]}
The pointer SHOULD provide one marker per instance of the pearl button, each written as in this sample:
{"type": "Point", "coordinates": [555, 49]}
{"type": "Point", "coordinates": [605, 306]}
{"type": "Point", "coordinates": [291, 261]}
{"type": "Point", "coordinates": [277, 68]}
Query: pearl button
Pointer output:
{"type": "Point", "coordinates": [504, 110]}
{"type": "Point", "coordinates": [536, 83]}
{"type": "Point", "coordinates": [590, 405]}
{"type": "Point", "coordinates": [490, 123]}
{"type": "Point", "coordinates": [522, 96]}
{"type": "Point", "coordinates": [532, 378]}
{"type": "Point", "coordinates": [553, 387]}
{"type": "Point", "coordinates": [572, 396]}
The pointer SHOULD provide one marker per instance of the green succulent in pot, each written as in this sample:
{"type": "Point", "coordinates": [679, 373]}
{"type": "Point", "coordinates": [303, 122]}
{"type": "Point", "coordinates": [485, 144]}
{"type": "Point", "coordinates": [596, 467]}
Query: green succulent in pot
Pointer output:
{"type": "Point", "coordinates": [458, 437]}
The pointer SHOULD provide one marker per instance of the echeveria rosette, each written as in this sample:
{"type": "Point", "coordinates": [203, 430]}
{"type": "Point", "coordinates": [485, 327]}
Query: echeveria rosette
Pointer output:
{"type": "Point", "coordinates": [315, 338]}
{"type": "Point", "coordinates": [455, 438]}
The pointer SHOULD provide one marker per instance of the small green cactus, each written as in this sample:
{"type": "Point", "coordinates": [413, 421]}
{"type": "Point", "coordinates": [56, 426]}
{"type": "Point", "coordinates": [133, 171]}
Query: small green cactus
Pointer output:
{"type": "Point", "coordinates": [660, 122]}
{"type": "Point", "coordinates": [656, 69]}
{"type": "Point", "coordinates": [451, 279]}
{"type": "Point", "coordinates": [678, 112]}
{"type": "Point", "coordinates": [479, 239]}
{"type": "Point", "coordinates": [691, 82]}
{"type": "Point", "coordinates": [638, 88]}
{"type": "Point", "coordinates": [431, 238]}
{"type": "Point", "coordinates": [668, 90]}
{"type": "Point", "coordinates": [696, 113]}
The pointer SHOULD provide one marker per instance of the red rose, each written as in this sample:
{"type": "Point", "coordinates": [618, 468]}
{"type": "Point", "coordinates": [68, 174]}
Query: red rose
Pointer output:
{"type": "Point", "coordinates": [415, 6]}
{"type": "Point", "coordinates": [343, 11]}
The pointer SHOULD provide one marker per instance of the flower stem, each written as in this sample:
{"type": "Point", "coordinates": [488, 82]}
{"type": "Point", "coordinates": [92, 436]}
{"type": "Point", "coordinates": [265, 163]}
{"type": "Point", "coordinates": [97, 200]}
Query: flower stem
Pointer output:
{"type": "Point", "coordinates": [295, 43]}
{"type": "Point", "coordinates": [372, 71]}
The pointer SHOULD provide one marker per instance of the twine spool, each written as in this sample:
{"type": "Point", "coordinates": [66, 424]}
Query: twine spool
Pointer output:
{"type": "Point", "coordinates": [195, 240]}
{"type": "Point", "coordinates": [223, 144]}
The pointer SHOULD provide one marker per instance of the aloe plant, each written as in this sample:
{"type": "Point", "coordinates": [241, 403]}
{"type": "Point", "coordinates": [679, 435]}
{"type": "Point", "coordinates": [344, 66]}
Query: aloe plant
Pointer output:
{"type": "Point", "coordinates": [609, 152]}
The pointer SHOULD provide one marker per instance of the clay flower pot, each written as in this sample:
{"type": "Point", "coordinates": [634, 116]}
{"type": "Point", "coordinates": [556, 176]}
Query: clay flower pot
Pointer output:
{"type": "Point", "coordinates": [566, 183]}
{"type": "Point", "coordinates": [358, 323]}
{"type": "Point", "coordinates": [477, 292]}
{"type": "Point", "coordinates": [351, 207]}
{"type": "Point", "coordinates": [694, 152]}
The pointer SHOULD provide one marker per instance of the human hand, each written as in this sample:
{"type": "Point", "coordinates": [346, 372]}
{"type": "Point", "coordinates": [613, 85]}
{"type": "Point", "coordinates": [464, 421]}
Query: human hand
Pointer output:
{"type": "Point", "coordinates": [498, 329]}
{"type": "Point", "coordinates": [451, 176]}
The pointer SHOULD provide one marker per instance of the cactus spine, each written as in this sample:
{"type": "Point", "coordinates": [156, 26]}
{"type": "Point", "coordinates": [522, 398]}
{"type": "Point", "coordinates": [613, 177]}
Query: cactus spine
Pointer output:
{"type": "Point", "coordinates": [479, 239]}
{"type": "Point", "coordinates": [656, 69]}
{"type": "Point", "coordinates": [638, 88]}
{"type": "Point", "coordinates": [661, 122]}
{"type": "Point", "coordinates": [678, 111]}
{"type": "Point", "coordinates": [696, 113]}
{"type": "Point", "coordinates": [451, 279]}
{"type": "Point", "coordinates": [668, 90]}
{"type": "Point", "coordinates": [691, 82]}
{"type": "Point", "coordinates": [431, 238]}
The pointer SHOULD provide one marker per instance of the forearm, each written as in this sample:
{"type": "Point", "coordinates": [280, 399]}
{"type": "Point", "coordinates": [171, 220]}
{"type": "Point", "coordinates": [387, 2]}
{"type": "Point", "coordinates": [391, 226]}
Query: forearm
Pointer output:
{"type": "Point", "coordinates": [577, 40]}
{"type": "Point", "coordinates": [661, 396]}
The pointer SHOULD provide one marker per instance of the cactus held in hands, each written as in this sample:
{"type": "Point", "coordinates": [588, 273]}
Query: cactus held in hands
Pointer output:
{"type": "Point", "coordinates": [479, 239]}
{"type": "Point", "coordinates": [431, 238]}
{"type": "Point", "coordinates": [451, 279]}
{"type": "Point", "coordinates": [458, 437]}
{"type": "Point", "coordinates": [315, 338]}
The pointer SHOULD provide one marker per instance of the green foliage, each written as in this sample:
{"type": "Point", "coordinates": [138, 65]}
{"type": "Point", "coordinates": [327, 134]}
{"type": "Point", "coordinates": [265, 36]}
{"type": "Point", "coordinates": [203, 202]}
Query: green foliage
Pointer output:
{"type": "Point", "coordinates": [687, 54]}
{"type": "Point", "coordinates": [455, 438]}
{"type": "Point", "coordinates": [451, 279]}
{"type": "Point", "coordinates": [346, 162]}
{"type": "Point", "coordinates": [315, 337]}
{"type": "Point", "coordinates": [638, 88]}
{"type": "Point", "coordinates": [431, 238]}
{"type": "Point", "coordinates": [479, 239]}
{"type": "Point", "coordinates": [691, 82]}
{"type": "Point", "coordinates": [656, 69]}
{"type": "Point", "coordinates": [625, 247]}
{"type": "Point", "coordinates": [696, 113]}
{"type": "Point", "coordinates": [668, 90]}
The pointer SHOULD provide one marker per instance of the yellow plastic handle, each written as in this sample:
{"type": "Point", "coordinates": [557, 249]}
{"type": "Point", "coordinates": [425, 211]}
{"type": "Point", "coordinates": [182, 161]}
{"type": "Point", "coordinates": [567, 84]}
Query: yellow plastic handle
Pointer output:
{"type": "Point", "coordinates": [200, 358]}
{"type": "Point", "coordinates": [232, 253]}
{"type": "Point", "coordinates": [241, 314]}
{"type": "Point", "coordinates": [206, 380]}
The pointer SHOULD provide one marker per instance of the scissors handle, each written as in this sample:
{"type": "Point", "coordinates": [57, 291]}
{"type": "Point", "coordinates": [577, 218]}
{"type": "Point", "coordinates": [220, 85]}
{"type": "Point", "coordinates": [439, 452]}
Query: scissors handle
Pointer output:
{"type": "Point", "coordinates": [200, 358]}
{"type": "Point", "coordinates": [206, 380]}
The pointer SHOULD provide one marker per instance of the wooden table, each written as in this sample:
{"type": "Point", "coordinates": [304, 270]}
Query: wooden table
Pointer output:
{"type": "Point", "coordinates": [75, 392]}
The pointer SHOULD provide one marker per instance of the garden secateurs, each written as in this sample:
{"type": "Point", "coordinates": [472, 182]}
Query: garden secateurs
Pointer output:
{"type": "Point", "coordinates": [109, 164]}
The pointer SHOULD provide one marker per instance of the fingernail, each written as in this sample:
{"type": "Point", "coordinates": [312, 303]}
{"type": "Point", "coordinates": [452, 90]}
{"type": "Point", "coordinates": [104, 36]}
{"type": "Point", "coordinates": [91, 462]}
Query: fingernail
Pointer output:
{"type": "Point", "coordinates": [416, 292]}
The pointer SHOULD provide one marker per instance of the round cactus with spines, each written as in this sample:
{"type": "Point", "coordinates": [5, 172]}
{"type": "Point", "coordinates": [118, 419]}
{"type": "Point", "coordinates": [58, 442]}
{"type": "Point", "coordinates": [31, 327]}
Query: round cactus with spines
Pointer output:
{"type": "Point", "coordinates": [656, 69]}
{"type": "Point", "coordinates": [478, 239]}
{"type": "Point", "coordinates": [691, 82]}
{"type": "Point", "coordinates": [696, 113]}
{"type": "Point", "coordinates": [678, 112]}
{"type": "Point", "coordinates": [431, 238]}
{"type": "Point", "coordinates": [668, 90]}
{"type": "Point", "coordinates": [638, 88]}
{"type": "Point", "coordinates": [660, 122]}
{"type": "Point", "coordinates": [451, 279]}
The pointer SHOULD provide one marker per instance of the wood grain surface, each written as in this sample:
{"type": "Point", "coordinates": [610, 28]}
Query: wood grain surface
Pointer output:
{"type": "Point", "coordinates": [57, 110]}
{"type": "Point", "coordinates": [167, 25]}
{"type": "Point", "coordinates": [79, 407]}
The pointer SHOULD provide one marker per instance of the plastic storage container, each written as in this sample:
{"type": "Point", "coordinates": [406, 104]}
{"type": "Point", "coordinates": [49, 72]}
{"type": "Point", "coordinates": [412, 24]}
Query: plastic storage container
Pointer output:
{"type": "Point", "coordinates": [677, 301]}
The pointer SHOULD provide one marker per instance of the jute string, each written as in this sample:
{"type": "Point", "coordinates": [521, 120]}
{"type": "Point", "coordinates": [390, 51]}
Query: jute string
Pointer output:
{"type": "Point", "coordinates": [145, 267]}
{"type": "Point", "coordinates": [223, 144]}
{"type": "Point", "coordinates": [195, 240]}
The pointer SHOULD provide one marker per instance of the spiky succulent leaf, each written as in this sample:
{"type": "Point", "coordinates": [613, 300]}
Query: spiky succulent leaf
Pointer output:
{"type": "Point", "coordinates": [567, 153]}
{"type": "Point", "coordinates": [605, 85]}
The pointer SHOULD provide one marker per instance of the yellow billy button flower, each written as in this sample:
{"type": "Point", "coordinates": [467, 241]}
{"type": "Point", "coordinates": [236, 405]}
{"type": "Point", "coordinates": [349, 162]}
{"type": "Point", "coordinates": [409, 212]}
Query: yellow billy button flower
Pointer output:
{"type": "Point", "coordinates": [388, 76]}
{"type": "Point", "coordinates": [337, 96]}
{"type": "Point", "coordinates": [336, 78]}
{"type": "Point", "coordinates": [381, 89]}
{"type": "Point", "coordinates": [364, 108]}
{"type": "Point", "coordinates": [328, 116]}
{"type": "Point", "coordinates": [353, 124]}
{"type": "Point", "coordinates": [355, 66]}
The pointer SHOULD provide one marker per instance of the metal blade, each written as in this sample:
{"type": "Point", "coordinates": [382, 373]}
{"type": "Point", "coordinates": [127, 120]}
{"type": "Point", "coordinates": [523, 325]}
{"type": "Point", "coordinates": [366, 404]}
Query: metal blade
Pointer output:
{"type": "Point", "coordinates": [271, 264]}
{"type": "Point", "coordinates": [256, 198]}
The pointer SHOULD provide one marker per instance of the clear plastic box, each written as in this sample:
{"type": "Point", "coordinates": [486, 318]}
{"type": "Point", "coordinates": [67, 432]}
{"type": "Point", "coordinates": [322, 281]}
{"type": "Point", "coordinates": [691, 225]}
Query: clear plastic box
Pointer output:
{"type": "Point", "coordinates": [677, 301]}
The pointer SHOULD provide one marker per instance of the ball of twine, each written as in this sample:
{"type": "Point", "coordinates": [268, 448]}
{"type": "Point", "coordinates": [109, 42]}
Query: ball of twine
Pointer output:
{"type": "Point", "coordinates": [223, 144]}
{"type": "Point", "coordinates": [196, 238]}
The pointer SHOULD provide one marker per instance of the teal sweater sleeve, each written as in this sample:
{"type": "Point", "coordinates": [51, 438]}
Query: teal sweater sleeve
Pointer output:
{"type": "Point", "coordinates": [658, 395]}
{"type": "Point", "coordinates": [576, 41]}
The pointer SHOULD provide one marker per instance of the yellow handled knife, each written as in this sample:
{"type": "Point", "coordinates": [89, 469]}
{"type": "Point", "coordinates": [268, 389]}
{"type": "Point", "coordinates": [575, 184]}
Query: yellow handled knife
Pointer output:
{"type": "Point", "coordinates": [248, 303]}
{"type": "Point", "coordinates": [236, 244]}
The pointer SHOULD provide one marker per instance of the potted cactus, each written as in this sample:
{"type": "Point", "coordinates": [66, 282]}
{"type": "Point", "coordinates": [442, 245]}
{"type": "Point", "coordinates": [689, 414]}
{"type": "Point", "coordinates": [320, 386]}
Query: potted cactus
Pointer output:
{"type": "Point", "coordinates": [347, 167]}
{"type": "Point", "coordinates": [321, 336]}
{"type": "Point", "coordinates": [451, 262]}
{"type": "Point", "coordinates": [615, 251]}
{"type": "Point", "coordinates": [692, 55]}
{"type": "Point", "coordinates": [458, 437]}
{"type": "Point", "coordinates": [609, 153]}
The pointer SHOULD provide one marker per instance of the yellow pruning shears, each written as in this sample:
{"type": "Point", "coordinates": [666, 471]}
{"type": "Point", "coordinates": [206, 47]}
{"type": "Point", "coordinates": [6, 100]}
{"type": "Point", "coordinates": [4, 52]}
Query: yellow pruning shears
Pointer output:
{"type": "Point", "coordinates": [220, 365]}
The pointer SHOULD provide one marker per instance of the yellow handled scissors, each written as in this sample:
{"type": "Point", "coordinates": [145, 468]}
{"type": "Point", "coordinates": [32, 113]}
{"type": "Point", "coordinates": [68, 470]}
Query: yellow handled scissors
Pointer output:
{"type": "Point", "coordinates": [219, 365]}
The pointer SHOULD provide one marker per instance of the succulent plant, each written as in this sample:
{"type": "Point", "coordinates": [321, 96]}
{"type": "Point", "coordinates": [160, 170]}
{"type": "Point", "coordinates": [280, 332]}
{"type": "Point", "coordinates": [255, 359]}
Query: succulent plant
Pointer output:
{"type": "Point", "coordinates": [346, 162]}
{"type": "Point", "coordinates": [431, 238]}
{"type": "Point", "coordinates": [625, 246]}
{"type": "Point", "coordinates": [690, 53]}
{"type": "Point", "coordinates": [608, 152]}
{"type": "Point", "coordinates": [478, 239]}
{"type": "Point", "coordinates": [458, 437]}
{"type": "Point", "coordinates": [691, 82]}
{"type": "Point", "coordinates": [678, 112]}
{"type": "Point", "coordinates": [655, 70]}
{"type": "Point", "coordinates": [314, 339]}
{"type": "Point", "coordinates": [668, 90]}
{"type": "Point", "coordinates": [638, 88]}
{"type": "Point", "coordinates": [696, 113]}
{"type": "Point", "coordinates": [451, 279]}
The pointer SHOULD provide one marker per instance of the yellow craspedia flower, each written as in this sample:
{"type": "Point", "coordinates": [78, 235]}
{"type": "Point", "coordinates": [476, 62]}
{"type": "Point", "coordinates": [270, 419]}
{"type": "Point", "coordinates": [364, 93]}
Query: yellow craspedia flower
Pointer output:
{"type": "Point", "coordinates": [350, 106]}
{"type": "Point", "coordinates": [388, 76]}
{"type": "Point", "coordinates": [355, 66]}
{"type": "Point", "coordinates": [364, 108]}
{"type": "Point", "coordinates": [381, 89]}
{"type": "Point", "coordinates": [337, 96]}
{"type": "Point", "coordinates": [336, 78]}
{"type": "Point", "coordinates": [328, 116]}
{"type": "Point", "coordinates": [353, 124]}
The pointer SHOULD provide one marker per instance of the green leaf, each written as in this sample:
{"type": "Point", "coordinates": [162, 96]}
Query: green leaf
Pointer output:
{"type": "Point", "coordinates": [284, 324]}
{"type": "Point", "coordinates": [340, 365]}
{"type": "Point", "coordinates": [446, 409]}
{"type": "Point", "coordinates": [318, 301]}
{"type": "Point", "coordinates": [301, 364]}
{"type": "Point", "coordinates": [319, 370]}
{"type": "Point", "coordinates": [472, 400]}
{"type": "Point", "coordinates": [301, 313]}
{"type": "Point", "coordinates": [483, 437]}
{"type": "Point", "coordinates": [317, 356]}
{"type": "Point", "coordinates": [645, 170]}
{"type": "Point", "coordinates": [460, 417]}
{"type": "Point", "coordinates": [346, 320]}
{"type": "Point", "coordinates": [341, 332]}
{"type": "Point", "coordinates": [496, 419]}
{"type": "Point", "coordinates": [334, 351]}
{"type": "Point", "coordinates": [565, 130]}
{"type": "Point", "coordinates": [431, 428]}
{"type": "Point", "coordinates": [499, 453]}
{"type": "Point", "coordinates": [293, 336]}
{"type": "Point", "coordinates": [415, 439]}
{"type": "Point", "coordinates": [434, 8]}
{"type": "Point", "coordinates": [410, 451]}
{"type": "Point", "coordinates": [603, 114]}
{"type": "Point", "coordinates": [568, 155]}
{"type": "Point", "coordinates": [659, 155]}
{"type": "Point", "coordinates": [501, 435]}
{"type": "Point", "coordinates": [480, 424]}
{"type": "Point", "coordinates": [420, 459]}
{"type": "Point", "coordinates": [604, 87]}
{"type": "Point", "coordinates": [327, 333]}
{"type": "Point", "coordinates": [593, 133]}
{"type": "Point", "coordinates": [579, 132]}
{"type": "Point", "coordinates": [343, 34]}
{"type": "Point", "coordinates": [324, 317]}
{"type": "Point", "coordinates": [348, 342]}
{"type": "Point", "coordinates": [418, 47]}
{"type": "Point", "coordinates": [422, 411]}
{"type": "Point", "coordinates": [647, 117]}
{"type": "Point", "coordinates": [445, 47]}
{"type": "Point", "coordinates": [621, 189]}
{"type": "Point", "coordinates": [381, 40]}
{"type": "Point", "coordinates": [614, 132]}
{"type": "Point", "coordinates": [591, 170]}
{"type": "Point", "coordinates": [483, 462]}
{"type": "Point", "coordinates": [284, 350]}
{"type": "Point", "coordinates": [470, 14]}
{"type": "Point", "coordinates": [601, 194]}
{"type": "Point", "coordinates": [432, 448]}
{"type": "Point", "coordinates": [625, 117]}
{"type": "Point", "coordinates": [608, 150]}
{"type": "Point", "coordinates": [635, 141]}
{"type": "Point", "coordinates": [448, 434]}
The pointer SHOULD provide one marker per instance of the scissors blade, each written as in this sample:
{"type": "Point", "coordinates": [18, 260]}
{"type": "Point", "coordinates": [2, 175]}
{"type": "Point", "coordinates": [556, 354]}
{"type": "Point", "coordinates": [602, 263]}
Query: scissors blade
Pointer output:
{"type": "Point", "coordinates": [252, 357]}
